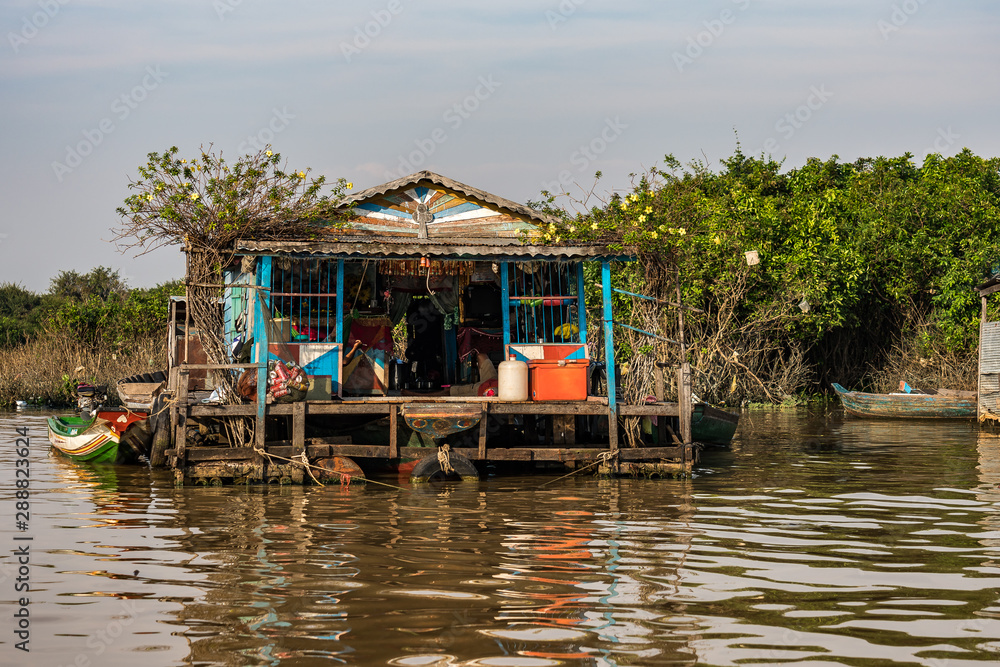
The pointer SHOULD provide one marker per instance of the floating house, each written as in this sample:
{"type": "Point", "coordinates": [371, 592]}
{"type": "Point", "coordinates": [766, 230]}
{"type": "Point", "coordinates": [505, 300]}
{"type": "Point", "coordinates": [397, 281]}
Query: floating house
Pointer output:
{"type": "Point", "coordinates": [399, 322]}
{"type": "Point", "coordinates": [989, 355]}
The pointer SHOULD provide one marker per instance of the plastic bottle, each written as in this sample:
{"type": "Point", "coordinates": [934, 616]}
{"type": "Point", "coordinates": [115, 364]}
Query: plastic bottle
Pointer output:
{"type": "Point", "coordinates": [512, 380]}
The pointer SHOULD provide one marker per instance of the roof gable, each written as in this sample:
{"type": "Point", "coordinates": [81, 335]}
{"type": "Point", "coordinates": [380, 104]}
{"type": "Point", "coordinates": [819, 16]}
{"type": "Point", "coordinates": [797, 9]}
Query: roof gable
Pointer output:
{"type": "Point", "coordinates": [427, 205]}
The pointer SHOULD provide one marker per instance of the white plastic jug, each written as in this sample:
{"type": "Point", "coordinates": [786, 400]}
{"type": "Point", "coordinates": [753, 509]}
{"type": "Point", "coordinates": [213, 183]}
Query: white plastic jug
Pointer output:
{"type": "Point", "coordinates": [512, 380]}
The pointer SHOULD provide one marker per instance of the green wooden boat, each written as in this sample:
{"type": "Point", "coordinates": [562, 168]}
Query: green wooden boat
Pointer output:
{"type": "Point", "coordinates": [712, 426]}
{"type": "Point", "coordinates": [89, 440]}
{"type": "Point", "coordinates": [709, 426]}
{"type": "Point", "coordinates": [943, 404]}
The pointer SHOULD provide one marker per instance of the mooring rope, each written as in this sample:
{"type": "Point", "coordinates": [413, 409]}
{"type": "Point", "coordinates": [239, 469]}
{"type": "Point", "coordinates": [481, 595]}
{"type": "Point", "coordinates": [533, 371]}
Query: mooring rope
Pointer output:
{"type": "Point", "coordinates": [444, 459]}
{"type": "Point", "coordinates": [603, 457]}
{"type": "Point", "coordinates": [305, 462]}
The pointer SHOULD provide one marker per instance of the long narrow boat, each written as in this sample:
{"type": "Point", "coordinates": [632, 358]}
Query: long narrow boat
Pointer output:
{"type": "Point", "coordinates": [943, 405]}
{"type": "Point", "coordinates": [712, 426]}
{"type": "Point", "coordinates": [89, 440]}
{"type": "Point", "coordinates": [137, 392]}
{"type": "Point", "coordinates": [709, 425]}
{"type": "Point", "coordinates": [113, 436]}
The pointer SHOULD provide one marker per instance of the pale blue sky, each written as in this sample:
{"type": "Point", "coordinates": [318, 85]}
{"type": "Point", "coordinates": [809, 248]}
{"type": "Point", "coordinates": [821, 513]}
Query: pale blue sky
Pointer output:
{"type": "Point", "coordinates": [534, 82]}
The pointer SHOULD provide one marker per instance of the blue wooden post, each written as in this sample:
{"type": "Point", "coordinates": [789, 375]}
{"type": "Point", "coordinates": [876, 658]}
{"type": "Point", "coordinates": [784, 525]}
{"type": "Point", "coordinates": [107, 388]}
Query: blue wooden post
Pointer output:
{"type": "Point", "coordinates": [581, 306]}
{"type": "Point", "coordinates": [609, 334]}
{"type": "Point", "coordinates": [262, 302]}
{"type": "Point", "coordinates": [505, 301]}
{"type": "Point", "coordinates": [340, 301]}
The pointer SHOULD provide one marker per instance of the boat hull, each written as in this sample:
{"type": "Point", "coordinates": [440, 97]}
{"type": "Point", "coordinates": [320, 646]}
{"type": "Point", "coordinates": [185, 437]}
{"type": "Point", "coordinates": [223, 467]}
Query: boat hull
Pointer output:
{"type": "Point", "coordinates": [90, 441]}
{"type": "Point", "coordinates": [713, 426]}
{"type": "Point", "coordinates": [906, 406]}
{"type": "Point", "coordinates": [439, 420]}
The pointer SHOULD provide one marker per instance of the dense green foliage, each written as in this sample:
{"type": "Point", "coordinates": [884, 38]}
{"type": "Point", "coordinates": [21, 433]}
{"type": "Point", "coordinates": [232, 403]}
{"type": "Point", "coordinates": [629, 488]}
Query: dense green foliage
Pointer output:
{"type": "Point", "coordinates": [101, 282]}
{"type": "Point", "coordinates": [111, 323]}
{"type": "Point", "coordinates": [854, 257]}
{"type": "Point", "coordinates": [19, 314]}
{"type": "Point", "coordinates": [88, 327]}
{"type": "Point", "coordinates": [96, 308]}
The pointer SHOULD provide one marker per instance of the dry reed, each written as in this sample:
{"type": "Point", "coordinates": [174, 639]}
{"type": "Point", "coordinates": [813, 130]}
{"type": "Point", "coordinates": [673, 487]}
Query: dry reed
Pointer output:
{"type": "Point", "coordinates": [909, 360]}
{"type": "Point", "coordinates": [46, 370]}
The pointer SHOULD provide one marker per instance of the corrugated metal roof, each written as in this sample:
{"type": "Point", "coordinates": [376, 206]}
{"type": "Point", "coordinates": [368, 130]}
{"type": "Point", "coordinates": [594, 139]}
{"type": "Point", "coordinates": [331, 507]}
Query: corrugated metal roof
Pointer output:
{"type": "Point", "coordinates": [989, 347]}
{"type": "Point", "coordinates": [395, 247]}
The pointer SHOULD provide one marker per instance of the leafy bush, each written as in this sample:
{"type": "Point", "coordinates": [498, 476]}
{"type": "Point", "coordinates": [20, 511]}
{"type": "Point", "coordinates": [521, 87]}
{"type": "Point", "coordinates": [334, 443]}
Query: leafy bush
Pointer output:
{"type": "Point", "coordinates": [89, 327]}
{"type": "Point", "coordinates": [855, 259]}
{"type": "Point", "coordinates": [19, 314]}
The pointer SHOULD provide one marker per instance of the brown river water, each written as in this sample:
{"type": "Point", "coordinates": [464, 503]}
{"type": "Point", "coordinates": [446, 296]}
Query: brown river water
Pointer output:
{"type": "Point", "coordinates": [818, 540]}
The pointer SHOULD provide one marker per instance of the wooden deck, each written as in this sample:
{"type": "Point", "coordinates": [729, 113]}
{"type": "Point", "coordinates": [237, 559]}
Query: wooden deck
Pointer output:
{"type": "Point", "coordinates": [218, 463]}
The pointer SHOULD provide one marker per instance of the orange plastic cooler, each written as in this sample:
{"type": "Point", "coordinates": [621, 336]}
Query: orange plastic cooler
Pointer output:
{"type": "Point", "coordinates": [558, 379]}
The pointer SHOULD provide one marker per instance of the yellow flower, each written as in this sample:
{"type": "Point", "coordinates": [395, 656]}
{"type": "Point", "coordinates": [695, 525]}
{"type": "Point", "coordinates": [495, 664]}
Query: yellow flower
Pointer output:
{"type": "Point", "coordinates": [194, 195]}
{"type": "Point", "coordinates": [649, 209]}
{"type": "Point", "coordinates": [350, 186]}
{"type": "Point", "coordinates": [186, 185]}
{"type": "Point", "coordinates": [594, 226]}
{"type": "Point", "coordinates": [625, 203]}
{"type": "Point", "coordinates": [717, 240]}
{"type": "Point", "coordinates": [654, 234]}
{"type": "Point", "coordinates": [149, 197]}
{"type": "Point", "coordinates": [681, 231]}
{"type": "Point", "coordinates": [557, 239]}
{"type": "Point", "coordinates": [268, 153]}
{"type": "Point", "coordinates": [183, 161]}
{"type": "Point", "coordinates": [572, 229]}
{"type": "Point", "coordinates": [642, 218]}
{"type": "Point", "coordinates": [301, 174]}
